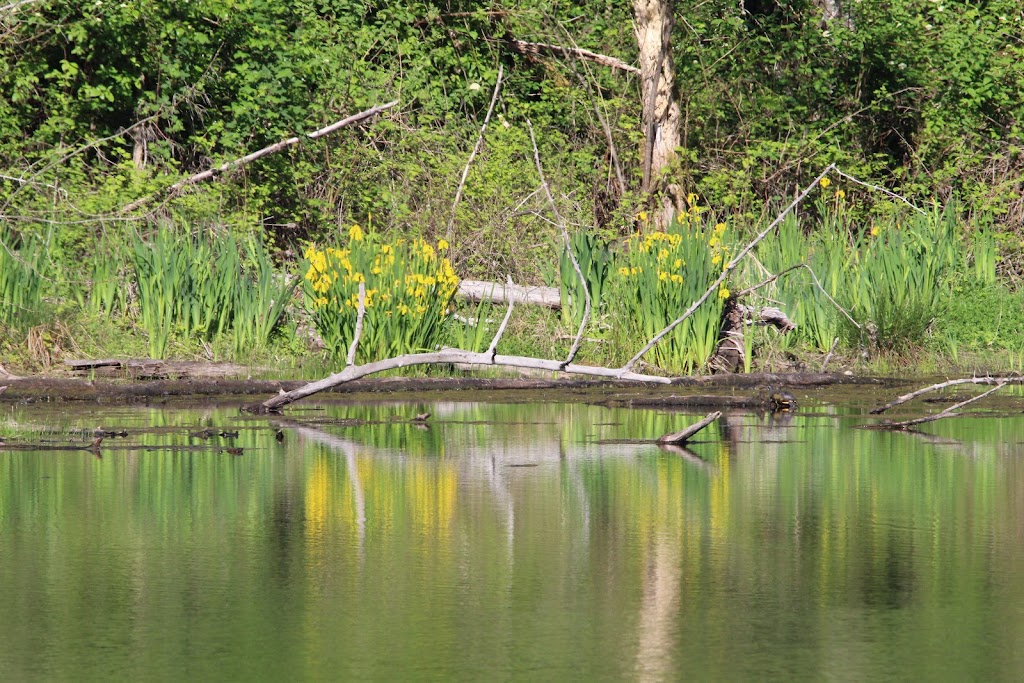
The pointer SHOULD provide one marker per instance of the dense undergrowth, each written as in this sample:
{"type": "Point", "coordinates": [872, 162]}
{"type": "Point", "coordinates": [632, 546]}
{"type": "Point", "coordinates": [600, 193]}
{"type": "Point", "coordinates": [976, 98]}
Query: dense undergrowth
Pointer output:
{"type": "Point", "coordinates": [108, 105]}
{"type": "Point", "coordinates": [919, 291]}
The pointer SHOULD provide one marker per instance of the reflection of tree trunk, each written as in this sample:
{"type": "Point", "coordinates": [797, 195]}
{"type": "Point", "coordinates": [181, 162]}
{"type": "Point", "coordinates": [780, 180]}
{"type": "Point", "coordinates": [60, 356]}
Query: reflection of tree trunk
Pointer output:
{"type": "Point", "coordinates": [661, 117]}
{"type": "Point", "coordinates": [658, 612]}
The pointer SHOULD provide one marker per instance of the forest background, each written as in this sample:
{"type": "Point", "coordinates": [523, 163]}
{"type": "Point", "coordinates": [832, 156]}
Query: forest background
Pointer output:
{"type": "Point", "coordinates": [105, 103]}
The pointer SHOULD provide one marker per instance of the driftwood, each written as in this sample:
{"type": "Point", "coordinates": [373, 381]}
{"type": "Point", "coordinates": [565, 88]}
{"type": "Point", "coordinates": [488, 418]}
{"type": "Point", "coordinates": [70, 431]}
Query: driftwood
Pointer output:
{"type": "Point", "coordinates": [1001, 381]}
{"type": "Point", "coordinates": [496, 292]}
{"type": "Point", "coordinates": [526, 48]}
{"type": "Point", "coordinates": [154, 369]}
{"type": "Point", "coordinates": [948, 412]}
{"type": "Point", "coordinates": [681, 437]}
{"type": "Point", "coordinates": [269, 149]}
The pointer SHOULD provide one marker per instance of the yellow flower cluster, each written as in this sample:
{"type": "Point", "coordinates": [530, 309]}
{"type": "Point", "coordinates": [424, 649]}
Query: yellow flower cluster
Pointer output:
{"type": "Point", "coordinates": [420, 275]}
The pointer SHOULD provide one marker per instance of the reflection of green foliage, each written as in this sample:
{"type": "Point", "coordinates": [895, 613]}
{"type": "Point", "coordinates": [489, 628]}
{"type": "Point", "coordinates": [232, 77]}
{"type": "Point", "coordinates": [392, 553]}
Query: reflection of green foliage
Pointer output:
{"type": "Point", "coordinates": [295, 557]}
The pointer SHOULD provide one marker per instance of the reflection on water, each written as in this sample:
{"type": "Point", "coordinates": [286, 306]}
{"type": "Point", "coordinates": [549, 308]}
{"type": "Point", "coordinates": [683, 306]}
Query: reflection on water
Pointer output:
{"type": "Point", "coordinates": [513, 541]}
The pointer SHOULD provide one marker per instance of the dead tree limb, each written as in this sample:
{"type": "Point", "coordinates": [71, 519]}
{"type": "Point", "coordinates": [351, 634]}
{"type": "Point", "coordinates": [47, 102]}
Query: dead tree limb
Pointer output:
{"type": "Point", "coordinates": [948, 412]}
{"type": "Point", "coordinates": [493, 348]}
{"type": "Point", "coordinates": [568, 248]}
{"type": "Point", "coordinates": [526, 48]}
{"type": "Point", "coordinates": [447, 356]}
{"type": "Point", "coordinates": [499, 293]}
{"type": "Point", "coordinates": [476, 150]}
{"type": "Point", "coordinates": [942, 385]}
{"type": "Point", "coordinates": [269, 149]}
{"type": "Point", "coordinates": [351, 359]}
{"type": "Point", "coordinates": [681, 437]}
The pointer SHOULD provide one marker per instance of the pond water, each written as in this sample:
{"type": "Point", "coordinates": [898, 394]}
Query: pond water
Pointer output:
{"type": "Point", "coordinates": [506, 541]}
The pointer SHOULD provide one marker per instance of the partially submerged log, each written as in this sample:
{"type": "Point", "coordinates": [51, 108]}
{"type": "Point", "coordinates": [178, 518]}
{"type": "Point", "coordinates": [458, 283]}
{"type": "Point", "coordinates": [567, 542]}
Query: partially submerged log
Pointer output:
{"type": "Point", "coordinates": [683, 436]}
{"type": "Point", "coordinates": [154, 369]}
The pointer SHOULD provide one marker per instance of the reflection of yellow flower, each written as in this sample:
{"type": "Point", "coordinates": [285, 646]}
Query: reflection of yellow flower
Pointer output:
{"type": "Point", "coordinates": [824, 182]}
{"type": "Point", "coordinates": [875, 231]}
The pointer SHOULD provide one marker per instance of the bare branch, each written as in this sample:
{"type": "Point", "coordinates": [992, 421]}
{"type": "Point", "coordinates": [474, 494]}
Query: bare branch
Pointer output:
{"type": "Point", "coordinates": [476, 150]}
{"type": "Point", "coordinates": [444, 356]}
{"type": "Point", "coordinates": [880, 189]}
{"type": "Point", "coordinates": [942, 385]}
{"type": "Point", "coordinates": [828, 356]}
{"type": "Point", "coordinates": [729, 267]}
{"type": "Point", "coordinates": [526, 48]}
{"type": "Point", "coordinates": [15, 5]}
{"type": "Point", "coordinates": [351, 359]}
{"type": "Point", "coordinates": [270, 149]}
{"type": "Point", "coordinates": [492, 349]}
{"type": "Point", "coordinates": [681, 437]}
{"type": "Point", "coordinates": [568, 247]}
{"type": "Point", "coordinates": [948, 412]}
{"type": "Point", "coordinates": [817, 283]}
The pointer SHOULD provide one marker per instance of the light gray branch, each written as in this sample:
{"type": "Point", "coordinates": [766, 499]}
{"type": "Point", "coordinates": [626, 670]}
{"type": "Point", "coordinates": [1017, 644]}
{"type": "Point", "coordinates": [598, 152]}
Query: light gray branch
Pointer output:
{"type": "Point", "coordinates": [942, 385]}
{"type": "Point", "coordinates": [492, 349]}
{"type": "Point", "coordinates": [476, 150]}
{"type": "Point", "coordinates": [351, 359]}
{"type": "Point", "coordinates": [568, 247]}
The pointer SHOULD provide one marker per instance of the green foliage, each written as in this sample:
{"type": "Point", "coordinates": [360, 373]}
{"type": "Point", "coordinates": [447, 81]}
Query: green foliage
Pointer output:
{"type": "Point", "coordinates": [23, 267]}
{"type": "Point", "coordinates": [595, 259]}
{"type": "Point", "coordinates": [197, 287]}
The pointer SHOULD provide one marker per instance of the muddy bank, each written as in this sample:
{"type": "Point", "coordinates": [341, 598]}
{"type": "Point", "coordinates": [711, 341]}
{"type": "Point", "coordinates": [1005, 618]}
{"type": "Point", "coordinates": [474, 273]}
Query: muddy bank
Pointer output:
{"type": "Point", "coordinates": [57, 389]}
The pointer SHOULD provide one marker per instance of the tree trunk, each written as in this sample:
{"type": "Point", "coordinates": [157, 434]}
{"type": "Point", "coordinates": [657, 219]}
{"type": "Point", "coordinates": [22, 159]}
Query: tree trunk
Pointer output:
{"type": "Point", "coordinates": [653, 21]}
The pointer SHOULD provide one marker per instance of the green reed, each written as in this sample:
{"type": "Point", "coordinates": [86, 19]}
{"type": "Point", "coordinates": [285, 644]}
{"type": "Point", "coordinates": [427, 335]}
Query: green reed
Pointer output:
{"type": "Point", "coordinates": [197, 287]}
{"type": "Point", "coordinates": [23, 268]}
{"type": "Point", "coordinates": [595, 262]}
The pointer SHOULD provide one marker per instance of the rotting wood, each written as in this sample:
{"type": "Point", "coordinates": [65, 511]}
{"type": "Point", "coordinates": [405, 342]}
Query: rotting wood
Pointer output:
{"type": "Point", "coordinates": [526, 48]}
{"type": "Point", "coordinates": [682, 436]}
{"type": "Point", "coordinates": [154, 369]}
{"type": "Point", "coordinates": [503, 293]}
{"type": "Point", "coordinates": [249, 158]}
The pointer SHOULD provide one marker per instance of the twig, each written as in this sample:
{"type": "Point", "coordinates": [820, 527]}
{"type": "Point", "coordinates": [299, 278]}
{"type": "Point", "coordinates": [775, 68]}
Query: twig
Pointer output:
{"type": "Point", "coordinates": [942, 385]}
{"type": "Point", "coordinates": [493, 348]}
{"type": "Point", "coordinates": [568, 247]}
{"type": "Point", "coordinates": [351, 359]}
{"type": "Point", "coordinates": [682, 436]}
{"type": "Point", "coordinates": [729, 267]}
{"type": "Point", "coordinates": [270, 149]}
{"type": "Point", "coordinates": [880, 189]}
{"type": "Point", "coordinates": [948, 412]}
{"type": "Point", "coordinates": [828, 356]}
{"type": "Point", "coordinates": [16, 5]}
{"type": "Point", "coordinates": [476, 150]}
{"type": "Point", "coordinates": [524, 47]}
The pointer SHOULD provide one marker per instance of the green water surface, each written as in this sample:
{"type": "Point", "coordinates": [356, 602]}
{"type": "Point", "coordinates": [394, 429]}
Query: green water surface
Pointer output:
{"type": "Point", "coordinates": [510, 542]}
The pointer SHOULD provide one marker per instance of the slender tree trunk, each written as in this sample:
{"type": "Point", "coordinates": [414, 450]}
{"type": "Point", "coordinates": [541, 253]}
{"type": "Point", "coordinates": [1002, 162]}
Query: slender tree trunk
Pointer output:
{"type": "Point", "coordinates": [653, 21]}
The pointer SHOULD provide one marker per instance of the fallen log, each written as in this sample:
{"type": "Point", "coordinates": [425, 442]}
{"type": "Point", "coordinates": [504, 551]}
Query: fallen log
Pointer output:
{"type": "Point", "coordinates": [683, 436]}
{"type": "Point", "coordinates": [502, 293]}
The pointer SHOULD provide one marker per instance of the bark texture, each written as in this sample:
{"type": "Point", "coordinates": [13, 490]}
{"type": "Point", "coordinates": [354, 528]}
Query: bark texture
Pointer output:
{"type": "Point", "coordinates": [653, 22]}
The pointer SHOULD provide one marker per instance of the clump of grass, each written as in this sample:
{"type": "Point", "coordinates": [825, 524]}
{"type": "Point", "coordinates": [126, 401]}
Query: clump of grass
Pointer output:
{"type": "Point", "coordinates": [198, 287]}
{"type": "Point", "coordinates": [23, 266]}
